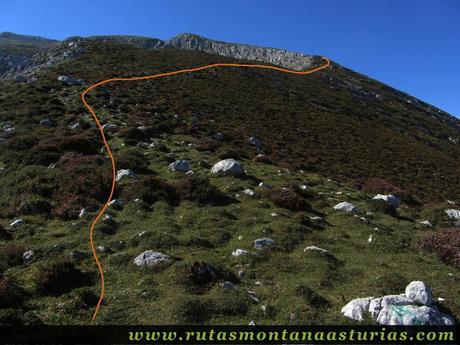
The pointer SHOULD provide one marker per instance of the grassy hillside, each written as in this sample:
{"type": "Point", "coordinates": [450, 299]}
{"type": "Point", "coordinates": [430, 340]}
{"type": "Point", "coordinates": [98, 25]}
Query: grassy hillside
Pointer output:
{"type": "Point", "coordinates": [328, 131]}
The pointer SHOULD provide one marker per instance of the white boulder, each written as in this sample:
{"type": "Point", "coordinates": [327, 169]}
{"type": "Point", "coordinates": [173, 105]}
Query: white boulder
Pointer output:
{"type": "Point", "coordinates": [28, 255]}
{"type": "Point", "coordinates": [150, 258]}
{"type": "Point", "coordinates": [228, 167]}
{"type": "Point", "coordinates": [389, 198]}
{"type": "Point", "coordinates": [181, 165]}
{"type": "Point", "coordinates": [346, 207]}
{"type": "Point", "coordinates": [419, 292]}
{"type": "Point", "coordinates": [356, 308]}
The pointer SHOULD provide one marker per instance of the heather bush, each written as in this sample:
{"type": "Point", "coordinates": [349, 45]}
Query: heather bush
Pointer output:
{"type": "Point", "coordinates": [11, 255]}
{"type": "Point", "coordinates": [60, 277]}
{"type": "Point", "coordinates": [11, 296]}
{"type": "Point", "coordinates": [289, 198]}
{"type": "Point", "coordinates": [199, 189]}
{"type": "Point", "coordinates": [5, 234]}
{"type": "Point", "coordinates": [445, 244]}
{"type": "Point", "coordinates": [150, 189]}
{"type": "Point", "coordinates": [82, 182]}
{"type": "Point", "coordinates": [133, 159]}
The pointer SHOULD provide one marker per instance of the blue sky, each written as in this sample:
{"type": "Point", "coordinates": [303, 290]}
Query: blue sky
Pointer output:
{"type": "Point", "coordinates": [412, 45]}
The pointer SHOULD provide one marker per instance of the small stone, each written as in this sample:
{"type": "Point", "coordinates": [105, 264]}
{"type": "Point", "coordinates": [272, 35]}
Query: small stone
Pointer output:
{"type": "Point", "coordinates": [28, 255]}
{"type": "Point", "coordinates": [180, 165]}
{"type": "Point", "coordinates": [16, 223]}
{"type": "Point", "coordinates": [315, 248]}
{"type": "Point", "coordinates": [263, 242]}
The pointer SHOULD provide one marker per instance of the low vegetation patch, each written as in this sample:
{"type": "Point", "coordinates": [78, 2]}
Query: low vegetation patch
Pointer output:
{"type": "Point", "coordinates": [444, 243]}
{"type": "Point", "coordinates": [60, 277]}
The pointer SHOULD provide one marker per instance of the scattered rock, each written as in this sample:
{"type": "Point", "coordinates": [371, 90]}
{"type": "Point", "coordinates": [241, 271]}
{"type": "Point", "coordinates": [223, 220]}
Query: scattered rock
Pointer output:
{"type": "Point", "coordinates": [180, 165]}
{"type": "Point", "coordinates": [16, 223]}
{"type": "Point", "coordinates": [263, 242]}
{"type": "Point", "coordinates": [239, 252]}
{"type": "Point", "coordinates": [426, 223]}
{"type": "Point", "coordinates": [66, 79]}
{"type": "Point", "coordinates": [228, 167]}
{"type": "Point", "coordinates": [346, 207]}
{"type": "Point", "coordinates": [151, 258]}
{"type": "Point", "coordinates": [117, 204]}
{"type": "Point", "coordinates": [46, 123]}
{"type": "Point", "coordinates": [390, 199]}
{"type": "Point", "coordinates": [124, 173]}
{"type": "Point", "coordinates": [219, 136]}
{"type": "Point", "coordinates": [315, 248]}
{"type": "Point", "coordinates": [110, 127]}
{"type": "Point", "coordinates": [453, 214]}
{"type": "Point", "coordinates": [228, 286]}
{"type": "Point", "coordinates": [28, 255]}
{"type": "Point", "coordinates": [249, 192]}
{"type": "Point", "coordinates": [195, 120]}
{"type": "Point", "coordinates": [261, 158]}
{"type": "Point", "coordinates": [82, 213]}
{"type": "Point", "coordinates": [205, 164]}
{"type": "Point", "coordinates": [256, 142]}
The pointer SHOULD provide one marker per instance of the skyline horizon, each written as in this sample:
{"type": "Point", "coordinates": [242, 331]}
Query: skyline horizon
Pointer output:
{"type": "Point", "coordinates": [407, 45]}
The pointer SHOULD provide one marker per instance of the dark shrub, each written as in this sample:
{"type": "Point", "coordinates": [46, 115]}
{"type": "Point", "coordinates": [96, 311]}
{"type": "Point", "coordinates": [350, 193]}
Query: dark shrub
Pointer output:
{"type": "Point", "coordinates": [132, 159]}
{"type": "Point", "coordinates": [379, 186]}
{"type": "Point", "coordinates": [391, 283]}
{"type": "Point", "coordinates": [5, 234]}
{"type": "Point", "coordinates": [207, 146]}
{"type": "Point", "coordinates": [35, 205]}
{"type": "Point", "coordinates": [289, 198]}
{"type": "Point", "coordinates": [150, 189]}
{"type": "Point", "coordinates": [11, 254]}
{"type": "Point", "coordinates": [60, 277]}
{"type": "Point", "coordinates": [203, 275]}
{"type": "Point", "coordinates": [199, 189]}
{"type": "Point", "coordinates": [445, 244]}
{"type": "Point", "coordinates": [311, 297]}
{"type": "Point", "coordinates": [132, 135]}
{"type": "Point", "coordinates": [232, 303]}
{"type": "Point", "coordinates": [83, 181]}
{"type": "Point", "coordinates": [381, 206]}
{"type": "Point", "coordinates": [224, 153]}
{"type": "Point", "coordinates": [11, 296]}
{"type": "Point", "coordinates": [20, 142]}
{"type": "Point", "coordinates": [194, 309]}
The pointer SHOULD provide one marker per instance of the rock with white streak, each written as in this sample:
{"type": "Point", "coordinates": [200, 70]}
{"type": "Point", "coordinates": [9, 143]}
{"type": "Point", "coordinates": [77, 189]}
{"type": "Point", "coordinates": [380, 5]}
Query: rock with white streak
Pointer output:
{"type": "Point", "coordinates": [124, 173]}
{"type": "Point", "coordinates": [16, 223]}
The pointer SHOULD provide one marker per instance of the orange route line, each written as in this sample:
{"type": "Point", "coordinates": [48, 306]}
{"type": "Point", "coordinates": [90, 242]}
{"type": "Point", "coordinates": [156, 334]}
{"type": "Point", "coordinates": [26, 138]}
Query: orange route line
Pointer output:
{"type": "Point", "coordinates": [106, 144]}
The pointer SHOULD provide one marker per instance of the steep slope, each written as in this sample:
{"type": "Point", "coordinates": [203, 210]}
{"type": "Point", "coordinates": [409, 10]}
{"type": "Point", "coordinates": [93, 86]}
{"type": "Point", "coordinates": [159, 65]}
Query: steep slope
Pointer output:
{"type": "Point", "coordinates": [331, 124]}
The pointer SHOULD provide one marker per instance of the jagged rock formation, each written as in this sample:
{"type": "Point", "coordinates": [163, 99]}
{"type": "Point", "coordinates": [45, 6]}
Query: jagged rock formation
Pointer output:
{"type": "Point", "coordinates": [49, 53]}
